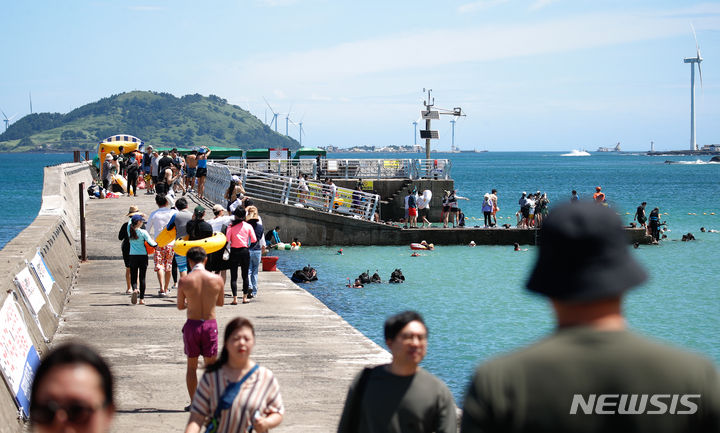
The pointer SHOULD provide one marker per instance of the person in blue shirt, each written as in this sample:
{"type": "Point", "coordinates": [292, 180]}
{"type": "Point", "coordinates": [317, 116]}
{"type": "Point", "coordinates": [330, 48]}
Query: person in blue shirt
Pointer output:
{"type": "Point", "coordinates": [273, 237]}
{"type": "Point", "coordinates": [138, 256]}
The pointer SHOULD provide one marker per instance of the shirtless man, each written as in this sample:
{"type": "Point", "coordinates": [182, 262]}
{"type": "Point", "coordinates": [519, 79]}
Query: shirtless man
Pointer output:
{"type": "Point", "coordinates": [199, 292]}
{"type": "Point", "coordinates": [191, 166]}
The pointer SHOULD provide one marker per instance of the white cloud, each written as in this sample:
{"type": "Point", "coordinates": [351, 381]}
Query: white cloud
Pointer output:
{"type": "Point", "coordinates": [479, 5]}
{"type": "Point", "coordinates": [539, 4]}
{"type": "Point", "coordinates": [454, 46]}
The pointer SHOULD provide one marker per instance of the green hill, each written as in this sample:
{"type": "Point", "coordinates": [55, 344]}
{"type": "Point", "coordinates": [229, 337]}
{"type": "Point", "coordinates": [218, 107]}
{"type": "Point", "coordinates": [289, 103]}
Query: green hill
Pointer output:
{"type": "Point", "coordinates": [159, 119]}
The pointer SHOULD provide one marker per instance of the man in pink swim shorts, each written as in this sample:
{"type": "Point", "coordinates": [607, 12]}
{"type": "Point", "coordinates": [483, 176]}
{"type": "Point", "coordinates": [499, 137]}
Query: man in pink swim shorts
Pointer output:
{"type": "Point", "coordinates": [199, 292]}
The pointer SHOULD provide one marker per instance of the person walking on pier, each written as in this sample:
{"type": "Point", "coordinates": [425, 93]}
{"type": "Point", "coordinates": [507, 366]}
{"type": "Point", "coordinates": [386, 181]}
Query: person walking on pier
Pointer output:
{"type": "Point", "coordinates": [180, 221]}
{"type": "Point", "coordinates": [235, 393]}
{"type": "Point", "coordinates": [400, 396]}
{"type": "Point", "coordinates": [591, 374]}
{"type": "Point", "coordinates": [163, 257]}
{"type": "Point", "coordinates": [256, 248]}
{"type": "Point", "coordinates": [241, 235]}
{"type": "Point", "coordinates": [496, 208]}
{"type": "Point", "coordinates": [138, 256]}
{"type": "Point", "coordinates": [202, 158]}
{"type": "Point", "coordinates": [199, 292]}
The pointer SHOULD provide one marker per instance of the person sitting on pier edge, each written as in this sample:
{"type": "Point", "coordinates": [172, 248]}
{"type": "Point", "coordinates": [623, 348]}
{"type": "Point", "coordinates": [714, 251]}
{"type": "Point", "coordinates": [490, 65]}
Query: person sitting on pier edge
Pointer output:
{"type": "Point", "coordinates": [400, 396]}
{"type": "Point", "coordinates": [273, 237]}
{"type": "Point", "coordinates": [591, 374]}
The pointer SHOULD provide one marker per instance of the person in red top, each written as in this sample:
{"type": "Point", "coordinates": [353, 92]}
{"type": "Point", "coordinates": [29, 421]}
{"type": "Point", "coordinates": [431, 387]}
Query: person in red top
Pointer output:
{"type": "Point", "coordinates": [240, 235]}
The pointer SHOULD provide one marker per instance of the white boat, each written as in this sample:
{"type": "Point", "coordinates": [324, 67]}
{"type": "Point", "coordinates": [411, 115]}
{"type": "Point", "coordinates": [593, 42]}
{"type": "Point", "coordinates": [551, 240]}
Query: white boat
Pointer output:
{"type": "Point", "coordinates": [576, 152]}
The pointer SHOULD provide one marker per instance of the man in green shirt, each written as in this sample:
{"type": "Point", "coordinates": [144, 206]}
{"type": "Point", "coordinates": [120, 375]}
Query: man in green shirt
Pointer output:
{"type": "Point", "coordinates": [592, 374]}
{"type": "Point", "coordinates": [400, 396]}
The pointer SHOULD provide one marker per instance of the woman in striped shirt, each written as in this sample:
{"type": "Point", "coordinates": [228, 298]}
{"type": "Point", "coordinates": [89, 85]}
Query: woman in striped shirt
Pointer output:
{"type": "Point", "coordinates": [257, 403]}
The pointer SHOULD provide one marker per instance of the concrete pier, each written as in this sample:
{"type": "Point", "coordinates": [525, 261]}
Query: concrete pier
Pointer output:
{"type": "Point", "coordinates": [313, 352]}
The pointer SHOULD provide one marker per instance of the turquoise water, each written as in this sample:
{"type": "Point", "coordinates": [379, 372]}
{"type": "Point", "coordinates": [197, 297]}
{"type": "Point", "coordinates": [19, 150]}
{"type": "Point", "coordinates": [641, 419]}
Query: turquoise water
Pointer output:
{"type": "Point", "coordinates": [473, 298]}
{"type": "Point", "coordinates": [21, 181]}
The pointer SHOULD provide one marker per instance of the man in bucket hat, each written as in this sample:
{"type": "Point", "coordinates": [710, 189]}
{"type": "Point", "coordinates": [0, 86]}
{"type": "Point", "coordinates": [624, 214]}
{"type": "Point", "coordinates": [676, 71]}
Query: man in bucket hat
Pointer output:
{"type": "Point", "coordinates": [592, 374]}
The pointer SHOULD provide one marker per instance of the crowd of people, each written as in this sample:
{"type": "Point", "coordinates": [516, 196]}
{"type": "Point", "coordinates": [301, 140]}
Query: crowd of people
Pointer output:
{"type": "Point", "coordinates": [166, 172]}
{"type": "Point", "coordinates": [245, 245]}
{"type": "Point", "coordinates": [591, 374]}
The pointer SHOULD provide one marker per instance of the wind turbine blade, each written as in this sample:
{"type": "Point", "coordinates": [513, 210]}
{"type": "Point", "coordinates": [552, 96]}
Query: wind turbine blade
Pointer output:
{"type": "Point", "coordinates": [268, 104]}
{"type": "Point", "coordinates": [700, 73]}
{"type": "Point", "coordinates": [4, 115]}
{"type": "Point", "coordinates": [697, 47]}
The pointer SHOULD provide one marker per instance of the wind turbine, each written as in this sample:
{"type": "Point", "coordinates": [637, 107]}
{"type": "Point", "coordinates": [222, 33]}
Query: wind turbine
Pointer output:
{"type": "Point", "coordinates": [6, 120]}
{"type": "Point", "coordinates": [300, 128]}
{"type": "Point", "coordinates": [275, 115]}
{"type": "Point", "coordinates": [452, 143]}
{"type": "Point", "coordinates": [692, 60]}
{"type": "Point", "coordinates": [288, 121]}
{"type": "Point", "coordinates": [415, 123]}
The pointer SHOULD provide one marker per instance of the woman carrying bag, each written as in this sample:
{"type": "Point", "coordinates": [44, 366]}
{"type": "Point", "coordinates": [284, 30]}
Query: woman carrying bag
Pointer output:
{"type": "Point", "coordinates": [240, 235]}
{"type": "Point", "coordinates": [138, 256]}
{"type": "Point", "coordinates": [235, 393]}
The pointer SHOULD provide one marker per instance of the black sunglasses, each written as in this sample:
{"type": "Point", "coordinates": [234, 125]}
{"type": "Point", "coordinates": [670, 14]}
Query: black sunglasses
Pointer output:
{"type": "Point", "coordinates": [76, 412]}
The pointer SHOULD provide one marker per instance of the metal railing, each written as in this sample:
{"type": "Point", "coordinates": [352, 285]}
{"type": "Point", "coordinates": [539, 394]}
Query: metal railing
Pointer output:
{"type": "Point", "coordinates": [286, 190]}
{"type": "Point", "coordinates": [348, 168]}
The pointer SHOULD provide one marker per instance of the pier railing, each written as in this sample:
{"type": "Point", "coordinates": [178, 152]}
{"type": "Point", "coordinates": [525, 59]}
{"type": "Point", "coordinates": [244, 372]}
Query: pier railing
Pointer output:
{"type": "Point", "coordinates": [286, 190]}
{"type": "Point", "coordinates": [348, 168]}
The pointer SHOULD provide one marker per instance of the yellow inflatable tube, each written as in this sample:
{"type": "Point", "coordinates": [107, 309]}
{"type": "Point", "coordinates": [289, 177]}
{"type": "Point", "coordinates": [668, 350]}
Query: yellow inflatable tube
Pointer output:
{"type": "Point", "coordinates": [210, 245]}
{"type": "Point", "coordinates": [166, 236]}
{"type": "Point", "coordinates": [120, 181]}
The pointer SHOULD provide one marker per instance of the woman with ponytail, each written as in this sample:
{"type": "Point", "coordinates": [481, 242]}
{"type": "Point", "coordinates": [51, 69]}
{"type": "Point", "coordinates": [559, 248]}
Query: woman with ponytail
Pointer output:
{"type": "Point", "coordinates": [138, 256]}
{"type": "Point", "coordinates": [240, 235]}
{"type": "Point", "coordinates": [235, 392]}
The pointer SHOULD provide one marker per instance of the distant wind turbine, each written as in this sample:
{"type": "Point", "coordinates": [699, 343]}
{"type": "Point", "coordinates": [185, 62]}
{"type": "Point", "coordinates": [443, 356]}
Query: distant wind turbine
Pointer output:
{"type": "Point", "coordinates": [275, 115]}
{"type": "Point", "coordinates": [693, 60]}
{"type": "Point", "coordinates": [287, 121]}
{"type": "Point", "coordinates": [7, 120]}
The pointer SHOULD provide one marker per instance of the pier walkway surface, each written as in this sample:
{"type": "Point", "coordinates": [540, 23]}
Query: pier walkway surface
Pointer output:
{"type": "Point", "coordinates": [313, 352]}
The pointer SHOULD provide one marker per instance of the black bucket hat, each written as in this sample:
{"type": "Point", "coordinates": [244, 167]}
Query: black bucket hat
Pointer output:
{"type": "Point", "coordinates": [584, 255]}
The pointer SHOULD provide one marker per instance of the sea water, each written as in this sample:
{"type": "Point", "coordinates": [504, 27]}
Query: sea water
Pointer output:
{"type": "Point", "coordinates": [473, 299]}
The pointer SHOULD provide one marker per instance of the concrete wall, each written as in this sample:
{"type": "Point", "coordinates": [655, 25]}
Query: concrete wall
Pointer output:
{"type": "Point", "coordinates": [315, 228]}
{"type": "Point", "coordinates": [55, 234]}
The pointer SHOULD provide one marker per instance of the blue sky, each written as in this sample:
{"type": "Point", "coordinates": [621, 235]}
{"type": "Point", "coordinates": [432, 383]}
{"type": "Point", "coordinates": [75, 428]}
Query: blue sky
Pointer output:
{"type": "Point", "coordinates": [530, 74]}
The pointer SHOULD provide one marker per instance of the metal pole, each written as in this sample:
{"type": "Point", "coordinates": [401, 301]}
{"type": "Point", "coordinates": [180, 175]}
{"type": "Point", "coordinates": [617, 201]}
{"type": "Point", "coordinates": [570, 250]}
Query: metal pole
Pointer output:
{"type": "Point", "coordinates": [693, 145]}
{"type": "Point", "coordinates": [83, 244]}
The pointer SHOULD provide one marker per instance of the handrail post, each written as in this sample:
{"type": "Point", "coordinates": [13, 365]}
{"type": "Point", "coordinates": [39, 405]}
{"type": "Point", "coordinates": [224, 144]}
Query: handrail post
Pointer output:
{"type": "Point", "coordinates": [83, 243]}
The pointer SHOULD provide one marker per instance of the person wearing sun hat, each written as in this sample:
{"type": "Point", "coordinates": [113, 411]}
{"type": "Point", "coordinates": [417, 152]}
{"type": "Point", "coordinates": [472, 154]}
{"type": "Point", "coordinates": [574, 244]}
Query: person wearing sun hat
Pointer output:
{"type": "Point", "coordinates": [107, 171]}
{"type": "Point", "coordinates": [592, 373]}
{"type": "Point", "coordinates": [138, 237]}
{"type": "Point", "coordinates": [125, 246]}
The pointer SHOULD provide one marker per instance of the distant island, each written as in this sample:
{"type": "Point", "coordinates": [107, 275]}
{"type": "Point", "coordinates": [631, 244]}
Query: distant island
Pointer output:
{"type": "Point", "coordinates": [159, 119]}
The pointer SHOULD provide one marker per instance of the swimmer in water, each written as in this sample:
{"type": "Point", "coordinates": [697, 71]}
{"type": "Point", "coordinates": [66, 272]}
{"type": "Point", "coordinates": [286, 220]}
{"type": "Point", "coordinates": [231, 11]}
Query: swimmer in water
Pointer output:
{"type": "Point", "coordinates": [356, 285]}
{"type": "Point", "coordinates": [414, 255]}
{"type": "Point", "coordinates": [516, 247]}
{"type": "Point", "coordinates": [340, 252]}
{"type": "Point", "coordinates": [471, 244]}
